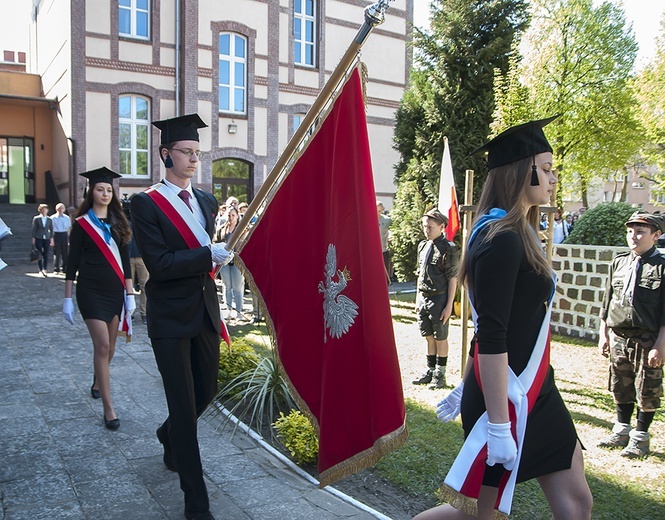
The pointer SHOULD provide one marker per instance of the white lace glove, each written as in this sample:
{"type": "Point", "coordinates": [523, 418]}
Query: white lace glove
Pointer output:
{"type": "Point", "coordinates": [449, 407]}
{"type": "Point", "coordinates": [221, 255]}
{"type": "Point", "coordinates": [68, 310]}
{"type": "Point", "coordinates": [501, 447]}
{"type": "Point", "coordinates": [130, 304]}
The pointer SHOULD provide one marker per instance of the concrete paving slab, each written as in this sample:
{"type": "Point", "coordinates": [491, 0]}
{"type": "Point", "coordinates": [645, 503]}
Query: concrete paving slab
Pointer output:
{"type": "Point", "coordinates": [58, 462]}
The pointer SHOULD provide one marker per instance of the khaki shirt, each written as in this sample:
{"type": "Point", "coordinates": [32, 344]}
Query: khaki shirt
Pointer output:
{"type": "Point", "coordinates": [646, 313]}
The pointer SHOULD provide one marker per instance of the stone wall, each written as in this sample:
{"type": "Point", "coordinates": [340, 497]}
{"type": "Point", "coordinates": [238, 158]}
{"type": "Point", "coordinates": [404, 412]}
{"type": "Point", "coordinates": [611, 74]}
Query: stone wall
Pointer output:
{"type": "Point", "coordinates": [582, 273]}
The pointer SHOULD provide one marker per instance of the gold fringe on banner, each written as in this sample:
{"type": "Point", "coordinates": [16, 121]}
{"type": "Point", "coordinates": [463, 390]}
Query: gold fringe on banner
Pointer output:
{"type": "Point", "coordinates": [466, 505]}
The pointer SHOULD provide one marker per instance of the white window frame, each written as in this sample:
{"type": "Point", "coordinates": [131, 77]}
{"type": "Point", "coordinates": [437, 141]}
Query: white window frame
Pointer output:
{"type": "Point", "coordinates": [233, 61]}
{"type": "Point", "coordinates": [134, 11]}
{"type": "Point", "coordinates": [301, 18]}
{"type": "Point", "coordinates": [134, 122]}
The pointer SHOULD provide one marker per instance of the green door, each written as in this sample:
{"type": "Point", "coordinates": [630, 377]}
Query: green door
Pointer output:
{"type": "Point", "coordinates": [16, 173]}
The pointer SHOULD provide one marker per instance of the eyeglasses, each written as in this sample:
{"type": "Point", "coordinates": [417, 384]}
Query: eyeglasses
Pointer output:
{"type": "Point", "coordinates": [189, 153]}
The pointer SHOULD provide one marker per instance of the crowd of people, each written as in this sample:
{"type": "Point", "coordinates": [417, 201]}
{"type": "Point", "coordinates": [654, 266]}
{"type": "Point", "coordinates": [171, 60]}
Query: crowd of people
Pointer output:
{"type": "Point", "coordinates": [563, 224]}
{"type": "Point", "coordinates": [169, 244]}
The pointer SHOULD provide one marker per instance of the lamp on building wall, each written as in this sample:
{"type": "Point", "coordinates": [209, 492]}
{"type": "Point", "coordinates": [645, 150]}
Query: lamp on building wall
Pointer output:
{"type": "Point", "coordinates": [233, 128]}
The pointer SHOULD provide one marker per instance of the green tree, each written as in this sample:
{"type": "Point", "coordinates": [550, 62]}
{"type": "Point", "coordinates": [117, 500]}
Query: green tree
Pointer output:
{"type": "Point", "coordinates": [578, 63]}
{"type": "Point", "coordinates": [450, 94]}
{"type": "Point", "coordinates": [650, 92]}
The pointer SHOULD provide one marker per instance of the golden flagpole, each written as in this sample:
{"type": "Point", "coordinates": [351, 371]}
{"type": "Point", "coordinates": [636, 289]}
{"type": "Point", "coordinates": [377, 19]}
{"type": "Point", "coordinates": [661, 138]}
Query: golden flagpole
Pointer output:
{"type": "Point", "coordinates": [374, 15]}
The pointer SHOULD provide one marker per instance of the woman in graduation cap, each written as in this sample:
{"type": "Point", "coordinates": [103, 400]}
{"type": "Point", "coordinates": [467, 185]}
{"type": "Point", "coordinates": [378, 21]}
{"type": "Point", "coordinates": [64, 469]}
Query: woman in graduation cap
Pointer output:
{"type": "Point", "coordinates": [516, 424]}
{"type": "Point", "coordinates": [99, 253]}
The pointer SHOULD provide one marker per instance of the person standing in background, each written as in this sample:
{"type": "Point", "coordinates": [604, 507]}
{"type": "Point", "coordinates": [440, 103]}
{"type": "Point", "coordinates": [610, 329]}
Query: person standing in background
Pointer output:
{"type": "Point", "coordinates": [42, 236]}
{"type": "Point", "coordinates": [61, 226]}
{"type": "Point", "coordinates": [437, 283]}
{"type": "Point", "coordinates": [384, 229]}
{"type": "Point", "coordinates": [632, 333]}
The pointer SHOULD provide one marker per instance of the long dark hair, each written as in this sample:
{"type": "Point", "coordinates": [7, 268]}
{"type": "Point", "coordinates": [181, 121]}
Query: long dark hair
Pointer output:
{"type": "Point", "coordinates": [116, 216]}
{"type": "Point", "coordinates": [505, 187]}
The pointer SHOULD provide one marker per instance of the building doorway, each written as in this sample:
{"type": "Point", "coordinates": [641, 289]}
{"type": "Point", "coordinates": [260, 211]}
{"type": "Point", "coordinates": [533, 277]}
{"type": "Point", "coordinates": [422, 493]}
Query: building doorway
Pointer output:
{"type": "Point", "coordinates": [17, 175]}
{"type": "Point", "coordinates": [232, 178]}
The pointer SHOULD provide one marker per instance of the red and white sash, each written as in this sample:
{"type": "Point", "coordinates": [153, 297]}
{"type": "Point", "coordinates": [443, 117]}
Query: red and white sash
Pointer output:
{"type": "Point", "coordinates": [112, 255]}
{"type": "Point", "coordinates": [462, 484]}
{"type": "Point", "coordinates": [192, 232]}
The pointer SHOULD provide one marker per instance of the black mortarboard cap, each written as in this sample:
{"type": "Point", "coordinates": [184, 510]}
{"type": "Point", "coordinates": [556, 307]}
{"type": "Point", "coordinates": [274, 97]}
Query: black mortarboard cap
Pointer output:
{"type": "Point", "coordinates": [516, 143]}
{"type": "Point", "coordinates": [102, 174]}
{"type": "Point", "coordinates": [182, 128]}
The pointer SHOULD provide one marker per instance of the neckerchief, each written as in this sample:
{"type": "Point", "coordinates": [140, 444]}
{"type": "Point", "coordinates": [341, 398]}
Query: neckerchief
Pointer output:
{"type": "Point", "coordinates": [104, 226]}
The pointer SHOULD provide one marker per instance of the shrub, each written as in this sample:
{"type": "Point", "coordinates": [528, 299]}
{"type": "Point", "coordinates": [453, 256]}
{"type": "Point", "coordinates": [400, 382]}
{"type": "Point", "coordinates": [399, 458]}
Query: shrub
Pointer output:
{"type": "Point", "coordinates": [241, 358]}
{"type": "Point", "coordinates": [261, 391]}
{"type": "Point", "coordinates": [298, 436]}
{"type": "Point", "coordinates": [603, 225]}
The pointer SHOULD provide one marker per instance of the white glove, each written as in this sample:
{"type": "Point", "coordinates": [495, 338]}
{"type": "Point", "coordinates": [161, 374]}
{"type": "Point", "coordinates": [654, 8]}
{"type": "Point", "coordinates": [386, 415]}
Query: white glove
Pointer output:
{"type": "Point", "coordinates": [68, 310]}
{"type": "Point", "coordinates": [449, 407]}
{"type": "Point", "coordinates": [501, 447]}
{"type": "Point", "coordinates": [221, 255]}
{"type": "Point", "coordinates": [130, 304]}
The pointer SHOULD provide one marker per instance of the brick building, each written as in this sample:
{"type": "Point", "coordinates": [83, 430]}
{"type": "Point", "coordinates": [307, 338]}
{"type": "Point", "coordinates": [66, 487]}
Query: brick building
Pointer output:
{"type": "Point", "coordinates": [250, 68]}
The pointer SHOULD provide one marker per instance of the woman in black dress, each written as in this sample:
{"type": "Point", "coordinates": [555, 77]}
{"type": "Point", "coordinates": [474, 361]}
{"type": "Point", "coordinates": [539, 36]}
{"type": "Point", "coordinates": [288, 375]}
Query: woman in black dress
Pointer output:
{"type": "Point", "coordinates": [516, 424]}
{"type": "Point", "coordinates": [99, 253]}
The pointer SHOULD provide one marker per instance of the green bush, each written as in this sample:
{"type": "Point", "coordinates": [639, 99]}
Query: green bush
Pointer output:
{"type": "Point", "coordinates": [298, 436]}
{"type": "Point", "coordinates": [603, 225]}
{"type": "Point", "coordinates": [257, 393]}
{"type": "Point", "coordinates": [241, 358]}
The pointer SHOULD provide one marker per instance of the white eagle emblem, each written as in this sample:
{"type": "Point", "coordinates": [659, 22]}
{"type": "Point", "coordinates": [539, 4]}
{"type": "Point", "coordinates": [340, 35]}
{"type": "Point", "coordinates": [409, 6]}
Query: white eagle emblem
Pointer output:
{"type": "Point", "coordinates": [339, 311]}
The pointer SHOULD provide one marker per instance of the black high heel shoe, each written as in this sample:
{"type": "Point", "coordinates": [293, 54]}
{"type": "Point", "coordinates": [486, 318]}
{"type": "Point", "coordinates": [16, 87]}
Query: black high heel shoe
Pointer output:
{"type": "Point", "coordinates": [93, 391]}
{"type": "Point", "coordinates": [113, 424]}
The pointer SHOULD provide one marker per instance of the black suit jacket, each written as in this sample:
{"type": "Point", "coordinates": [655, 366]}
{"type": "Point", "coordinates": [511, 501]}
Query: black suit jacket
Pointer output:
{"type": "Point", "coordinates": [180, 291]}
{"type": "Point", "coordinates": [41, 231]}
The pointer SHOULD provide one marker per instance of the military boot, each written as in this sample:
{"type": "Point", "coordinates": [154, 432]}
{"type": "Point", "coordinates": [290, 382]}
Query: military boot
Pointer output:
{"type": "Point", "coordinates": [638, 446]}
{"type": "Point", "coordinates": [618, 438]}
{"type": "Point", "coordinates": [438, 378]}
{"type": "Point", "coordinates": [425, 379]}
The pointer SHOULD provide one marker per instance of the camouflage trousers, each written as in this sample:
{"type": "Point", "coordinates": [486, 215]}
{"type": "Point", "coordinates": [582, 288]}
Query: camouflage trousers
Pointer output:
{"type": "Point", "coordinates": [631, 378]}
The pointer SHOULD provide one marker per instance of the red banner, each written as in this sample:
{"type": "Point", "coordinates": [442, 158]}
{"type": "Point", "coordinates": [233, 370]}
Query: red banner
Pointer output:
{"type": "Point", "coordinates": [315, 259]}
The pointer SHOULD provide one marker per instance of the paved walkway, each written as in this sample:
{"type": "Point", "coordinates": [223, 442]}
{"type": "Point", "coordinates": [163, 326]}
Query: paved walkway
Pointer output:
{"type": "Point", "coordinates": [57, 461]}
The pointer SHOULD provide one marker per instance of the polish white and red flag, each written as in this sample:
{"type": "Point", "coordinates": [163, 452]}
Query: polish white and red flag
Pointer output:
{"type": "Point", "coordinates": [447, 195]}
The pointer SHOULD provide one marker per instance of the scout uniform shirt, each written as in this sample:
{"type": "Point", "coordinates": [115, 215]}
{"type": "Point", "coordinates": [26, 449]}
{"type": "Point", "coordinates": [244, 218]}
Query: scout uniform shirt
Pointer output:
{"type": "Point", "coordinates": [437, 265]}
{"type": "Point", "coordinates": [634, 300]}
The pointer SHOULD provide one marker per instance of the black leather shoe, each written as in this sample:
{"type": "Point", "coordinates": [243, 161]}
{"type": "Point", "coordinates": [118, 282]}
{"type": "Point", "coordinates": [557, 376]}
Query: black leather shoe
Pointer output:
{"type": "Point", "coordinates": [207, 515]}
{"type": "Point", "coordinates": [93, 391]}
{"type": "Point", "coordinates": [113, 424]}
{"type": "Point", "coordinates": [168, 456]}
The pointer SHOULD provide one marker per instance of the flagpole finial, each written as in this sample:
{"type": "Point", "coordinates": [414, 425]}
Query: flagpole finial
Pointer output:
{"type": "Point", "coordinates": [375, 14]}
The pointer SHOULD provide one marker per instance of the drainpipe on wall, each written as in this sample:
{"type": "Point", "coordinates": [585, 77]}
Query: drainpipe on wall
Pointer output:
{"type": "Point", "coordinates": [72, 179]}
{"type": "Point", "coordinates": [177, 58]}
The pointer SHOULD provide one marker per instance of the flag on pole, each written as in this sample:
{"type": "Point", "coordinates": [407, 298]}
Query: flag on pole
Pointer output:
{"type": "Point", "coordinates": [447, 194]}
{"type": "Point", "coordinates": [314, 259]}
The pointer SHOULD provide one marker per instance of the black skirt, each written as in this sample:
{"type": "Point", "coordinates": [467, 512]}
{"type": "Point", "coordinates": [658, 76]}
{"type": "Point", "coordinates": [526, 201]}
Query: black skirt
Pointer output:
{"type": "Point", "coordinates": [99, 301]}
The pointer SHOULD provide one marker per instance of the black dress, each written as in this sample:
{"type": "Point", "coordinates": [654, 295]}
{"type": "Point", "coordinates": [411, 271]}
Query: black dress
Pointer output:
{"type": "Point", "coordinates": [99, 292]}
{"type": "Point", "coordinates": [509, 298]}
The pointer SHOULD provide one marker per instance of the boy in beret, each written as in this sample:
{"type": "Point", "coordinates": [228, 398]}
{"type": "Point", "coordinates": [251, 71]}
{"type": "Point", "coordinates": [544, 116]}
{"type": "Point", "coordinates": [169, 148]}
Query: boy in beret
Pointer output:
{"type": "Point", "coordinates": [632, 333]}
{"type": "Point", "coordinates": [437, 283]}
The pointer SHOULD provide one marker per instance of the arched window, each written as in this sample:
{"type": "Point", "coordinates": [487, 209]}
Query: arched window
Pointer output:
{"type": "Point", "coordinates": [134, 136]}
{"type": "Point", "coordinates": [232, 73]}
{"type": "Point", "coordinates": [232, 178]}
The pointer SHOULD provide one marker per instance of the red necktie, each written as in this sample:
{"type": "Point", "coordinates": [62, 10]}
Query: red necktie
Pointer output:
{"type": "Point", "coordinates": [184, 195]}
